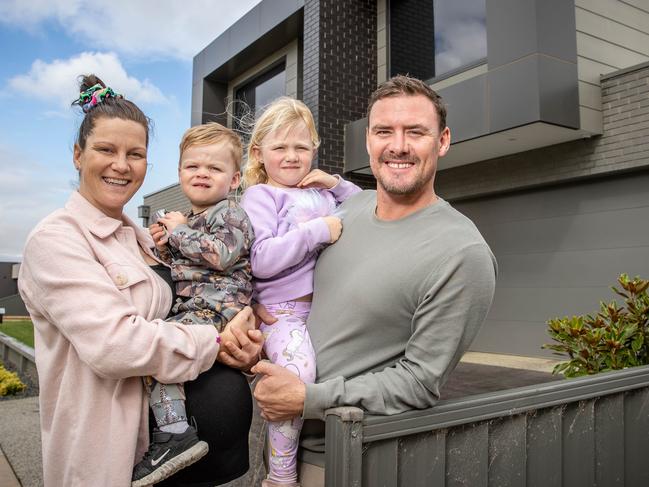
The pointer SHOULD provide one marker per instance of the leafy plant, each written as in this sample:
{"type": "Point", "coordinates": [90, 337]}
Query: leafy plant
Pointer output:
{"type": "Point", "coordinates": [616, 338]}
{"type": "Point", "coordinates": [9, 382]}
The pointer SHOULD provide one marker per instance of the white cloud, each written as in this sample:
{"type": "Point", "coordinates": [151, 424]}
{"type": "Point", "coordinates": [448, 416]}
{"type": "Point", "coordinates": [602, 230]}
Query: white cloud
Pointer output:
{"type": "Point", "coordinates": [462, 42]}
{"type": "Point", "coordinates": [28, 14]}
{"type": "Point", "coordinates": [55, 82]}
{"type": "Point", "coordinates": [29, 192]}
{"type": "Point", "coordinates": [142, 28]}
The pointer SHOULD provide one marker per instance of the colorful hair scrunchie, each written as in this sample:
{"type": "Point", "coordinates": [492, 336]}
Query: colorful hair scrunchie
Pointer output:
{"type": "Point", "coordinates": [94, 95]}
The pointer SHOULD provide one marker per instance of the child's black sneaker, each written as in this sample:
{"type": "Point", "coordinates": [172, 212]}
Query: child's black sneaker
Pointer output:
{"type": "Point", "coordinates": [168, 453]}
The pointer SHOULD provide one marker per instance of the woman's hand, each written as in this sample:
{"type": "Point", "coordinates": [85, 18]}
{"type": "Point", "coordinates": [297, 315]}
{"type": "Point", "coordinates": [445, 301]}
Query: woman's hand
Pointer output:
{"type": "Point", "coordinates": [318, 179]}
{"type": "Point", "coordinates": [241, 342]}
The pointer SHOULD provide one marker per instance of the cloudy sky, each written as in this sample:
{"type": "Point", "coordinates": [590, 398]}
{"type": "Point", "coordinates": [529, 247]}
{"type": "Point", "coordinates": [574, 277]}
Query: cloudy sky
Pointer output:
{"type": "Point", "coordinates": [141, 48]}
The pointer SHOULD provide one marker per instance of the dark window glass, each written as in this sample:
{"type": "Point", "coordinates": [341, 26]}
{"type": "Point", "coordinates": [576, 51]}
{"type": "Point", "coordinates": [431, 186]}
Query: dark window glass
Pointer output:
{"type": "Point", "coordinates": [460, 34]}
{"type": "Point", "coordinates": [429, 38]}
{"type": "Point", "coordinates": [260, 91]}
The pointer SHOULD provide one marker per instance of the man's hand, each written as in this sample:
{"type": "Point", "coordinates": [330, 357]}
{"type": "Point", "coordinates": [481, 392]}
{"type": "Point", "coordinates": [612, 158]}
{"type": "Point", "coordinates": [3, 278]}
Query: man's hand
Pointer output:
{"type": "Point", "coordinates": [172, 219]}
{"type": "Point", "coordinates": [241, 343]}
{"type": "Point", "coordinates": [159, 235]}
{"type": "Point", "coordinates": [279, 393]}
{"type": "Point", "coordinates": [318, 179]}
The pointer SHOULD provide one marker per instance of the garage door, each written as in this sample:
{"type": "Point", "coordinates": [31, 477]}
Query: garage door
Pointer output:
{"type": "Point", "coordinates": [559, 250]}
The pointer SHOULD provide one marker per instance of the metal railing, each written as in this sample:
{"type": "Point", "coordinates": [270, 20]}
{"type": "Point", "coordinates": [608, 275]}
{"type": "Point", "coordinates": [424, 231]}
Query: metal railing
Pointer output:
{"type": "Point", "coordinates": [580, 432]}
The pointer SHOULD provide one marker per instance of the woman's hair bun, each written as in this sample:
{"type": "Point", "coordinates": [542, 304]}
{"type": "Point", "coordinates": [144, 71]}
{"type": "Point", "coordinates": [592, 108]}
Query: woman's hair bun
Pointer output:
{"type": "Point", "coordinates": [88, 81]}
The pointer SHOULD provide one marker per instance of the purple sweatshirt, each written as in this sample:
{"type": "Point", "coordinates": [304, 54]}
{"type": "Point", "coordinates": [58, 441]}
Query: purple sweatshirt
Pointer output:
{"type": "Point", "coordinates": [284, 252]}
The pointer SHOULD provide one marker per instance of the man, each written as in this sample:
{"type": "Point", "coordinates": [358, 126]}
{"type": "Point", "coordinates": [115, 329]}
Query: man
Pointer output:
{"type": "Point", "coordinates": [401, 295]}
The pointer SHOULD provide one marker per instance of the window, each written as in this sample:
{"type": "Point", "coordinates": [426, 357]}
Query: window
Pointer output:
{"type": "Point", "coordinates": [260, 91]}
{"type": "Point", "coordinates": [430, 38]}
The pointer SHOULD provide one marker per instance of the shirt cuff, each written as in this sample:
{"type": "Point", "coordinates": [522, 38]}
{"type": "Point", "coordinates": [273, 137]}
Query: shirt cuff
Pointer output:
{"type": "Point", "coordinates": [319, 397]}
{"type": "Point", "coordinates": [338, 179]}
{"type": "Point", "coordinates": [206, 338]}
{"type": "Point", "coordinates": [343, 189]}
{"type": "Point", "coordinates": [177, 234]}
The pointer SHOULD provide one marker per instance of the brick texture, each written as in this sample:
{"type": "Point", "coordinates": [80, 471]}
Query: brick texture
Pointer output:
{"type": "Point", "coordinates": [623, 147]}
{"type": "Point", "coordinates": [412, 38]}
{"type": "Point", "coordinates": [339, 71]}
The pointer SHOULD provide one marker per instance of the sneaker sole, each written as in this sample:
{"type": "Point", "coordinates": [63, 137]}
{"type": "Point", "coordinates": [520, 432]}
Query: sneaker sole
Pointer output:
{"type": "Point", "coordinates": [177, 463]}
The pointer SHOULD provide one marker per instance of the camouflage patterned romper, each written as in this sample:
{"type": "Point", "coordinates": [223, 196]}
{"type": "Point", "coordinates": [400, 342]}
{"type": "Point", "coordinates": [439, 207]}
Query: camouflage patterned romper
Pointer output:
{"type": "Point", "coordinates": [210, 264]}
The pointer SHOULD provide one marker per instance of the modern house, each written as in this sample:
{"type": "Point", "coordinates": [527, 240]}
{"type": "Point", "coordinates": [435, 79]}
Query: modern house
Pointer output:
{"type": "Point", "coordinates": [548, 106]}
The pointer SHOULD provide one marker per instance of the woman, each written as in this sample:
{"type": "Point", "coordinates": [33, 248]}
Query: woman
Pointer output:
{"type": "Point", "coordinates": [97, 307]}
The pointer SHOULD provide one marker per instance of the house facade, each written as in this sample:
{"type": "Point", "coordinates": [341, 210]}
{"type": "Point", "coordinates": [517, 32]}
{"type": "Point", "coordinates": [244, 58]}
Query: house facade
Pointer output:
{"type": "Point", "coordinates": [548, 106]}
{"type": "Point", "coordinates": [11, 304]}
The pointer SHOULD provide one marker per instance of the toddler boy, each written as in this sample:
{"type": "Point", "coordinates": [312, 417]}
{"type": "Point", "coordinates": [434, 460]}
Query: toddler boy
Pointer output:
{"type": "Point", "coordinates": [208, 251]}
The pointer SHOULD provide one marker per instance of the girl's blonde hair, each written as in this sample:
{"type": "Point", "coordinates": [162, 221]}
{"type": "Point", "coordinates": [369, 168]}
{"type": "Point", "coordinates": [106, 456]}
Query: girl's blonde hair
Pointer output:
{"type": "Point", "coordinates": [282, 113]}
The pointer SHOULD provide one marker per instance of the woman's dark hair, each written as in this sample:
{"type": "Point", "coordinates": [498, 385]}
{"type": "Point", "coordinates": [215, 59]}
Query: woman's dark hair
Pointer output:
{"type": "Point", "coordinates": [112, 107]}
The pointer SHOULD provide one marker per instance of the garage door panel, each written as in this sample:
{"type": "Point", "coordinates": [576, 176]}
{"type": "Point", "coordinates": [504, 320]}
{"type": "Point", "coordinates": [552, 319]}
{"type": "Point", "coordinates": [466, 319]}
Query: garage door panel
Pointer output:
{"type": "Point", "coordinates": [589, 197]}
{"type": "Point", "coordinates": [559, 250]}
{"type": "Point", "coordinates": [522, 338]}
{"type": "Point", "coordinates": [540, 304]}
{"type": "Point", "coordinates": [606, 230]}
{"type": "Point", "coordinates": [585, 268]}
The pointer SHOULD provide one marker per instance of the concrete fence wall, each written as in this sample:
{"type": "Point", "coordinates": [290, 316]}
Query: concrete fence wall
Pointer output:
{"type": "Point", "coordinates": [19, 355]}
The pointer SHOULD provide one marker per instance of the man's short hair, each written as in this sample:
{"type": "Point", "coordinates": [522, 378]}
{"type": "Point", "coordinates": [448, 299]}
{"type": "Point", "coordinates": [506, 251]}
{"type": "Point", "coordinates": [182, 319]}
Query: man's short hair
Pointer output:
{"type": "Point", "coordinates": [405, 85]}
{"type": "Point", "coordinates": [213, 133]}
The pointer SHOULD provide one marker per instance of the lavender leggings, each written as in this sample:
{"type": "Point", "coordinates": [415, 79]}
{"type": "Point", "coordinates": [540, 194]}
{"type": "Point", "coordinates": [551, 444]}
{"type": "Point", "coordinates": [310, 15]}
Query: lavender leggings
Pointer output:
{"type": "Point", "coordinates": [288, 344]}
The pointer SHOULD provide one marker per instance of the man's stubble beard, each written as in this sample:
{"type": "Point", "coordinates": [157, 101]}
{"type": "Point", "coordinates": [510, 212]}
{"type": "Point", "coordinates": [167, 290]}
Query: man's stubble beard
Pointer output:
{"type": "Point", "coordinates": [409, 188]}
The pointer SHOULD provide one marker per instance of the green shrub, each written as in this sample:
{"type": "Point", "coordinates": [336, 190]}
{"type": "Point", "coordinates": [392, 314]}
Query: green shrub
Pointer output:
{"type": "Point", "coordinates": [616, 338]}
{"type": "Point", "coordinates": [10, 383]}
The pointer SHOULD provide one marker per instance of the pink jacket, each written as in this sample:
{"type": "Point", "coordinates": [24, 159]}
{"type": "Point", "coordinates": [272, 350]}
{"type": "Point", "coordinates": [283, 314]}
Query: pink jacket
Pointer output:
{"type": "Point", "coordinates": [97, 310]}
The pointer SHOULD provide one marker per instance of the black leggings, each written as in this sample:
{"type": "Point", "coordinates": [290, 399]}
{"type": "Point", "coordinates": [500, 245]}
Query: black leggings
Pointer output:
{"type": "Point", "coordinates": [220, 401]}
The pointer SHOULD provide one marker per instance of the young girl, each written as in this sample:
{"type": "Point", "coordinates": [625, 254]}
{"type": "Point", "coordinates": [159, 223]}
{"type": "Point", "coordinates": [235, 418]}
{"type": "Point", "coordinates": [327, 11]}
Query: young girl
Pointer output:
{"type": "Point", "coordinates": [291, 208]}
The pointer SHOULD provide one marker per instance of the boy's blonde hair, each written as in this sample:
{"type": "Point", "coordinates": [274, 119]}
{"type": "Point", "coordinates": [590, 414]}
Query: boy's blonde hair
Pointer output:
{"type": "Point", "coordinates": [282, 113]}
{"type": "Point", "coordinates": [212, 133]}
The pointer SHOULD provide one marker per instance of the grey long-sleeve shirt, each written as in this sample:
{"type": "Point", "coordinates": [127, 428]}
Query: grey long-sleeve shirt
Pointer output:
{"type": "Point", "coordinates": [396, 304]}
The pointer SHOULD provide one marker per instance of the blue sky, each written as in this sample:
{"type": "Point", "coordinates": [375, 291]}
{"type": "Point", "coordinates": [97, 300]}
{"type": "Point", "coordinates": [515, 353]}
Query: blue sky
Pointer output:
{"type": "Point", "coordinates": [142, 48]}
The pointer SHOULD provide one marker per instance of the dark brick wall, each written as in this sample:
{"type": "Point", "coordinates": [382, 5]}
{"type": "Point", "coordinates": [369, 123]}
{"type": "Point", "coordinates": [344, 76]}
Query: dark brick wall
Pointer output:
{"type": "Point", "coordinates": [311, 58]}
{"type": "Point", "coordinates": [412, 38]}
{"type": "Point", "coordinates": [624, 146]}
{"type": "Point", "coordinates": [339, 70]}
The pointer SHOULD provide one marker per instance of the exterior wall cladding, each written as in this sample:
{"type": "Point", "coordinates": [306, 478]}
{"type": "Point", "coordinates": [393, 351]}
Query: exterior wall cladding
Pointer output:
{"type": "Point", "coordinates": [624, 146]}
{"type": "Point", "coordinates": [339, 72]}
